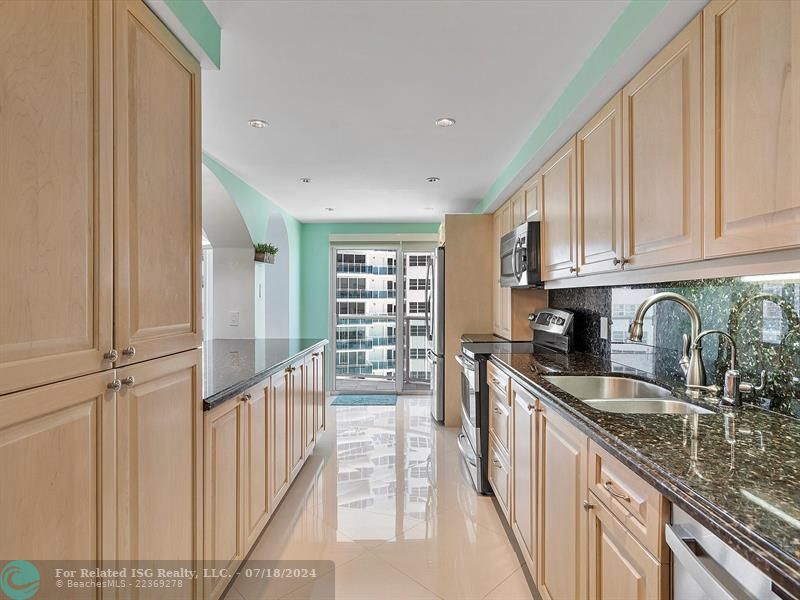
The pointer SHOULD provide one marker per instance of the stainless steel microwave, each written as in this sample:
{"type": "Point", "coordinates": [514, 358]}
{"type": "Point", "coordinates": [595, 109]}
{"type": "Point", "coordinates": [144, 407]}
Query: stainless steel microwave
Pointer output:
{"type": "Point", "coordinates": [520, 257]}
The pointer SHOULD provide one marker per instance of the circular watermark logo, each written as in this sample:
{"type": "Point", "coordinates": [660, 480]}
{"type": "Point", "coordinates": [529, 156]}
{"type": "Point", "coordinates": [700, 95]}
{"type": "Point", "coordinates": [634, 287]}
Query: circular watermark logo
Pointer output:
{"type": "Point", "coordinates": [19, 580]}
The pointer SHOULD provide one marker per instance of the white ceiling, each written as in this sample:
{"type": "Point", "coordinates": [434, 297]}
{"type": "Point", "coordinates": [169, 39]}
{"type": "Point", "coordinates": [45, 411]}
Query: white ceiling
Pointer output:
{"type": "Point", "coordinates": [351, 90]}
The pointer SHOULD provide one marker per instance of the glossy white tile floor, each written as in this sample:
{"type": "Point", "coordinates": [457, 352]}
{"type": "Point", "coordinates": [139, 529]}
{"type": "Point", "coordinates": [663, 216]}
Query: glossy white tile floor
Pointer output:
{"type": "Point", "coordinates": [386, 499]}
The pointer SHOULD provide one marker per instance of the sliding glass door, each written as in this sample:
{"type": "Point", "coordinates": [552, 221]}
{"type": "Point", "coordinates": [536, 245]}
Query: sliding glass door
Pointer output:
{"type": "Point", "coordinates": [378, 313]}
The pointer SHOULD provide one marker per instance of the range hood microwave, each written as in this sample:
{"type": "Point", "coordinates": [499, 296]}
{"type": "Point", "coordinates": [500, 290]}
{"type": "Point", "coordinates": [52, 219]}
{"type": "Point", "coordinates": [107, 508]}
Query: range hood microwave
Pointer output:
{"type": "Point", "coordinates": [520, 257]}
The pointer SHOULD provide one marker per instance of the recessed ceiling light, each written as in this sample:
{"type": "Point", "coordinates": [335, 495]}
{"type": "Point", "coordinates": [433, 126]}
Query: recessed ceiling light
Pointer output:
{"type": "Point", "coordinates": [329, 209]}
{"type": "Point", "coordinates": [432, 179]}
{"type": "Point", "coordinates": [445, 122]}
{"type": "Point", "coordinates": [428, 208]}
{"type": "Point", "coordinates": [257, 123]}
{"type": "Point", "coordinates": [305, 180]}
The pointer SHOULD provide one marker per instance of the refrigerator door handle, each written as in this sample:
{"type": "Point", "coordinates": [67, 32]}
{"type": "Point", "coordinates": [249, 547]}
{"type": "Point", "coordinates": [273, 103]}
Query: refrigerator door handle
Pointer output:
{"type": "Point", "coordinates": [432, 356]}
{"type": "Point", "coordinates": [428, 272]}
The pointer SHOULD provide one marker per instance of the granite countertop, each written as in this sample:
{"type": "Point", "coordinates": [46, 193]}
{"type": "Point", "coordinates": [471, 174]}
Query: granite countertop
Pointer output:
{"type": "Point", "coordinates": [232, 366]}
{"type": "Point", "coordinates": [736, 471]}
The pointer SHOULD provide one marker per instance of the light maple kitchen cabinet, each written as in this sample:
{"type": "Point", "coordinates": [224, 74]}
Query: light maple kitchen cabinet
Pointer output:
{"type": "Point", "coordinates": [519, 212]}
{"type": "Point", "coordinates": [599, 207]}
{"type": "Point", "coordinates": [559, 205]}
{"type": "Point", "coordinates": [278, 436]}
{"type": "Point", "coordinates": [524, 472]}
{"type": "Point", "coordinates": [309, 407]}
{"type": "Point", "coordinates": [619, 567]}
{"type": "Point", "coordinates": [56, 198]}
{"type": "Point", "coordinates": [500, 476]}
{"type": "Point", "coordinates": [156, 188]}
{"type": "Point", "coordinates": [501, 305]}
{"type": "Point", "coordinates": [296, 417]}
{"type": "Point", "coordinates": [256, 462]}
{"type": "Point", "coordinates": [159, 460]}
{"type": "Point", "coordinates": [224, 481]}
{"type": "Point", "coordinates": [533, 197]}
{"type": "Point", "coordinates": [751, 57]}
{"type": "Point", "coordinates": [318, 387]}
{"type": "Point", "coordinates": [58, 448]}
{"type": "Point", "coordinates": [561, 516]}
{"type": "Point", "coordinates": [662, 116]}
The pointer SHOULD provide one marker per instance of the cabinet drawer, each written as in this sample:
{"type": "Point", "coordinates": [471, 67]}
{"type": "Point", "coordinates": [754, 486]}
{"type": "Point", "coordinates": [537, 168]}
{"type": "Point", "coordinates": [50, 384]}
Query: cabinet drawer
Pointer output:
{"type": "Point", "coordinates": [500, 420]}
{"type": "Point", "coordinates": [498, 381]}
{"type": "Point", "coordinates": [640, 508]}
{"type": "Point", "coordinates": [500, 475]}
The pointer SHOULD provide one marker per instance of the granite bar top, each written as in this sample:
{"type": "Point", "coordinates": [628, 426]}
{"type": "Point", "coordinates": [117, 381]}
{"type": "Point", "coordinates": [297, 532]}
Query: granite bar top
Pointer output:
{"type": "Point", "coordinates": [737, 471]}
{"type": "Point", "coordinates": [232, 366]}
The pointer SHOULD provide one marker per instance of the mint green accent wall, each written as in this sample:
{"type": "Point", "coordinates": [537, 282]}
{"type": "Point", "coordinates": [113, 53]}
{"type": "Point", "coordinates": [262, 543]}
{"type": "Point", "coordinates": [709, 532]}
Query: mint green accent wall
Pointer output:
{"type": "Point", "coordinates": [636, 16]}
{"type": "Point", "coordinates": [256, 210]}
{"type": "Point", "coordinates": [314, 272]}
{"type": "Point", "coordinates": [201, 24]}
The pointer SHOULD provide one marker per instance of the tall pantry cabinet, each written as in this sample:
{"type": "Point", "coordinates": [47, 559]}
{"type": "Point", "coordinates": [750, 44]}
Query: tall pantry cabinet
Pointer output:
{"type": "Point", "coordinates": [100, 387]}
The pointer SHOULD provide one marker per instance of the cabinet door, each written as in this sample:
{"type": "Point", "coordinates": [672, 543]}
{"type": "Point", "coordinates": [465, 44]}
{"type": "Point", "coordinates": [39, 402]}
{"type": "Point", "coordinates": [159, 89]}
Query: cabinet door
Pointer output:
{"type": "Point", "coordinates": [56, 191]}
{"type": "Point", "coordinates": [662, 148]}
{"type": "Point", "coordinates": [56, 450]}
{"type": "Point", "coordinates": [751, 57]}
{"type": "Point", "coordinates": [619, 567]}
{"type": "Point", "coordinates": [523, 458]}
{"type": "Point", "coordinates": [532, 189]}
{"type": "Point", "coordinates": [519, 213]}
{"type": "Point", "coordinates": [309, 398]}
{"type": "Point", "coordinates": [256, 495]}
{"type": "Point", "coordinates": [159, 459]}
{"type": "Point", "coordinates": [157, 186]}
{"type": "Point", "coordinates": [225, 438]}
{"type": "Point", "coordinates": [600, 191]}
{"type": "Point", "coordinates": [278, 438]}
{"type": "Point", "coordinates": [562, 518]}
{"type": "Point", "coordinates": [500, 477]}
{"type": "Point", "coordinates": [296, 454]}
{"type": "Point", "coordinates": [318, 359]}
{"type": "Point", "coordinates": [559, 203]}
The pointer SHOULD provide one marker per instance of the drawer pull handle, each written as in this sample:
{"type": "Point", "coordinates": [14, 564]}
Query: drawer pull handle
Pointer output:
{"type": "Point", "coordinates": [531, 407]}
{"type": "Point", "coordinates": [495, 381]}
{"type": "Point", "coordinates": [587, 506]}
{"type": "Point", "coordinates": [497, 463]}
{"type": "Point", "coordinates": [609, 485]}
{"type": "Point", "coordinates": [497, 411]}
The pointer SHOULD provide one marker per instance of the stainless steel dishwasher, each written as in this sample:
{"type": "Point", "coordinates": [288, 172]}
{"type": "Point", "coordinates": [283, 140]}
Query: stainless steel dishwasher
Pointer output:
{"type": "Point", "coordinates": [706, 568]}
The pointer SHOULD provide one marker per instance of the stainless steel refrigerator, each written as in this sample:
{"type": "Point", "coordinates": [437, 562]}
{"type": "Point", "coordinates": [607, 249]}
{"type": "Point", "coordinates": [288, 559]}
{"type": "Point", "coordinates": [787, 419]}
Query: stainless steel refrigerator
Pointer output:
{"type": "Point", "coordinates": [434, 325]}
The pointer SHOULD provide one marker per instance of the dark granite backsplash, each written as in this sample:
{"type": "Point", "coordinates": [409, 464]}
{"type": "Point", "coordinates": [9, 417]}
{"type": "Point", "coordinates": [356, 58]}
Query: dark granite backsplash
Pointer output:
{"type": "Point", "coordinates": [761, 313]}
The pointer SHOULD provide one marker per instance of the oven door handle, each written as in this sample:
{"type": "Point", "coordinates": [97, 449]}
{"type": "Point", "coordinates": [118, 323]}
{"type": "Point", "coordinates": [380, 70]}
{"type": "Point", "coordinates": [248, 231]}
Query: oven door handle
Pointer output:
{"type": "Point", "coordinates": [465, 362]}
{"type": "Point", "coordinates": [466, 451]}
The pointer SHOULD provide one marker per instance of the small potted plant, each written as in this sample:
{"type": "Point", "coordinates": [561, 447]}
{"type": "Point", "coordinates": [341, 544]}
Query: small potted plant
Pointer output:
{"type": "Point", "coordinates": [265, 253]}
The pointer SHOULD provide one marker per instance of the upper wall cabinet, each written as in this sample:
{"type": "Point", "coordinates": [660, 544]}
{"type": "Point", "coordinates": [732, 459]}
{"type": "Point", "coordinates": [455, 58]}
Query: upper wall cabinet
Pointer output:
{"type": "Point", "coordinates": [519, 212]}
{"type": "Point", "coordinates": [55, 191]}
{"type": "Point", "coordinates": [751, 53]}
{"type": "Point", "coordinates": [662, 149]}
{"type": "Point", "coordinates": [157, 208]}
{"type": "Point", "coordinates": [599, 232]}
{"type": "Point", "coordinates": [533, 197]}
{"type": "Point", "coordinates": [559, 203]}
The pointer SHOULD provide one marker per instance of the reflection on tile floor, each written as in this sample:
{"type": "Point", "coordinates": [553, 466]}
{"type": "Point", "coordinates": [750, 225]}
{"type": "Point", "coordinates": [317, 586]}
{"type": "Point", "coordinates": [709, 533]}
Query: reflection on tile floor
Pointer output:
{"type": "Point", "coordinates": [386, 499]}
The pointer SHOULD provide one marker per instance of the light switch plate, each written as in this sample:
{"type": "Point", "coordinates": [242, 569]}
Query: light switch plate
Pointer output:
{"type": "Point", "coordinates": [603, 328]}
{"type": "Point", "coordinates": [234, 320]}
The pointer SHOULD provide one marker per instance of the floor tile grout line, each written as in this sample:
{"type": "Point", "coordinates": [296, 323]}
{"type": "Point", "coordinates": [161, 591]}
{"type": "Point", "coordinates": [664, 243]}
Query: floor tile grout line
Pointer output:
{"type": "Point", "coordinates": [489, 593]}
{"type": "Point", "coordinates": [399, 570]}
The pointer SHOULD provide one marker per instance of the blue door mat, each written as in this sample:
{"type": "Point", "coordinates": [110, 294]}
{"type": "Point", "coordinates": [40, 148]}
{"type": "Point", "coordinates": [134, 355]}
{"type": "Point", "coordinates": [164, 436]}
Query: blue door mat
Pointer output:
{"type": "Point", "coordinates": [365, 400]}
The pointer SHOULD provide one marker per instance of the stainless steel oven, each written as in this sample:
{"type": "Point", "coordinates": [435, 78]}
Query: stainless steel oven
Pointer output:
{"type": "Point", "coordinates": [520, 262]}
{"type": "Point", "coordinates": [473, 439]}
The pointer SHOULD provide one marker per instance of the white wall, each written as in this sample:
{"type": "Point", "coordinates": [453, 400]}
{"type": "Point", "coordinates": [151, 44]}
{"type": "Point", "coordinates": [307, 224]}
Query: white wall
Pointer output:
{"type": "Point", "coordinates": [234, 290]}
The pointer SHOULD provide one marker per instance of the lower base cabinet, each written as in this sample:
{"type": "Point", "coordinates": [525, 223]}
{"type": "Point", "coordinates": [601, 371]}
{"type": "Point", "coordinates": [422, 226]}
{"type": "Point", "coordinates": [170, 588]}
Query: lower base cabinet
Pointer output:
{"type": "Point", "coordinates": [255, 444]}
{"type": "Point", "coordinates": [562, 518]}
{"type": "Point", "coordinates": [524, 416]}
{"type": "Point", "coordinates": [619, 567]}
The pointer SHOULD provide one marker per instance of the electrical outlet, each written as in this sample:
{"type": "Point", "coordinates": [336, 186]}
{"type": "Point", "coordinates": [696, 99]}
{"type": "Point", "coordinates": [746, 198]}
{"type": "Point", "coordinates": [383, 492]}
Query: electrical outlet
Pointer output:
{"type": "Point", "coordinates": [234, 320]}
{"type": "Point", "coordinates": [603, 328]}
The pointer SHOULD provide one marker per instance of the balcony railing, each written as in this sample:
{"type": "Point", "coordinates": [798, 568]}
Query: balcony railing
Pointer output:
{"type": "Point", "coordinates": [365, 294]}
{"type": "Point", "coordinates": [371, 269]}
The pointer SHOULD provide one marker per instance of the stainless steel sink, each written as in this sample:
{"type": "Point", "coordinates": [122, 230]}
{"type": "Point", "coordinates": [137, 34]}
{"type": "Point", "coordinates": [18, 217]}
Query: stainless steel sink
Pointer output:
{"type": "Point", "coordinates": [645, 406]}
{"type": "Point", "coordinates": [623, 395]}
{"type": "Point", "coordinates": [595, 387]}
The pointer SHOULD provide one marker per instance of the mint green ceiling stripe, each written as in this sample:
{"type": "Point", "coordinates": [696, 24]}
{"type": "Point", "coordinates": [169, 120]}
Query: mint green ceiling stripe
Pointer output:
{"type": "Point", "coordinates": [201, 25]}
{"type": "Point", "coordinates": [636, 16]}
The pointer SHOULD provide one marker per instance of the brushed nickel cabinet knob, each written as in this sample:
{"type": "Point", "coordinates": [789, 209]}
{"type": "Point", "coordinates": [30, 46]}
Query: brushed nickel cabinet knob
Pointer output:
{"type": "Point", "coordinates": [129, 381]}
{"type": "Point", "coordinates": [112, 355]}
{"type": "Point", "coordinates": [129, 351]}
{"type": "Point", "coordinates": [115, 385]}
